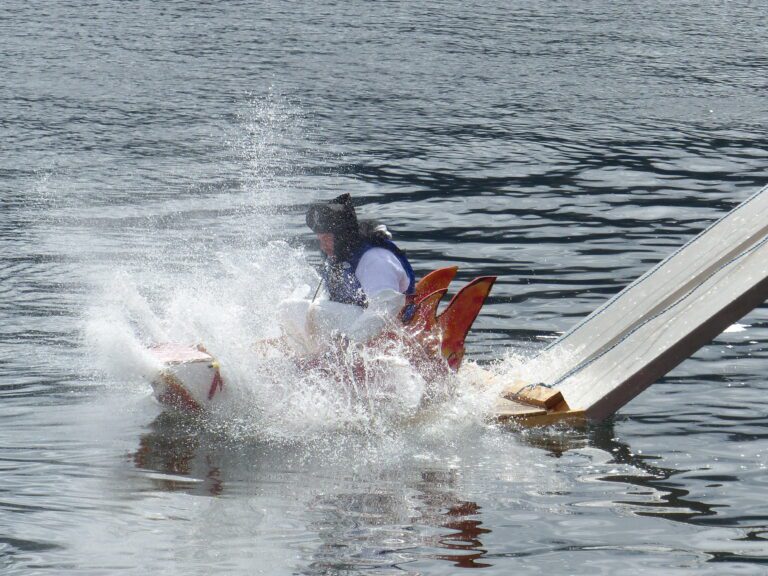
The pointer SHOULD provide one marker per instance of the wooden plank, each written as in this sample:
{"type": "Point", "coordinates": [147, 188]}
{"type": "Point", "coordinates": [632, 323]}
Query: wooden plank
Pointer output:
{"type": "Point", "coordinates": [611, 380]}
{"type": "Point", "coordinates": [660, 287]}
{"type": "Point", "coordinates": [664, 316]}
{"type": "Point", "coordinates": [507, 411]}
{"type": "Point", "coordinates": [572, 418]}
{"type": "Point", "coordinates": [520, 391]}
{"type": "Point", "coordinates": [536, 395]}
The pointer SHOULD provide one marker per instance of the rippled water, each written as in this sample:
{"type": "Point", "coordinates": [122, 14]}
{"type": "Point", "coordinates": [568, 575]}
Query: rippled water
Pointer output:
{"type": "Point", "coordinates": [157, 161]}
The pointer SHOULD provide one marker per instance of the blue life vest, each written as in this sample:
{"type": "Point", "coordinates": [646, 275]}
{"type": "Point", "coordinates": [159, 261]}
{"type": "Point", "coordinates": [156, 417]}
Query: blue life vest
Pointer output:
{"type": "Point", "coordinates": [342, 283]}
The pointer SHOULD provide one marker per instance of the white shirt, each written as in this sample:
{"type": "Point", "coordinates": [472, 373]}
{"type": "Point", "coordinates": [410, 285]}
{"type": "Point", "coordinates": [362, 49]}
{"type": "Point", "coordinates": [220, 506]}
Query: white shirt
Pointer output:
{"type": "Point", "coordinates": [378, 270]}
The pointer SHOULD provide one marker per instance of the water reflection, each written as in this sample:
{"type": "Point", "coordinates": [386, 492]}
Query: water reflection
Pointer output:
{"type": "Point", "coordinates": [379, 520]}
{"type": "Point", "coordinates": [423, 519]}
{"type": "Point", "coordinates": [672, 503]}
{"type": "Point", "coordinates": [662, 497]}
{"type": "Point", "coordinates": [388, 515]}
{"type": "Point", "coordinates": [466, 538]}
{"type": "Point", "coordinates": [174, 449]}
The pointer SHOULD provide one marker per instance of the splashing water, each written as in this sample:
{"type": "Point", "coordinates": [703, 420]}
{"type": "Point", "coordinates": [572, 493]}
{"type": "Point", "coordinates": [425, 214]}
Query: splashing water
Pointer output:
{"type": "Point", "coordinates": [268, 393]}
{"type": "Point", "coordinates": [223, 293]}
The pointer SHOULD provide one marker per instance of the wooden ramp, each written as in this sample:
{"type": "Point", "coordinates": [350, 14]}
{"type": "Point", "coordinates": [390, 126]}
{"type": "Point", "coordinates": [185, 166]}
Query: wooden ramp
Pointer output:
{"type": "Point", "coordinates": [651, 326]}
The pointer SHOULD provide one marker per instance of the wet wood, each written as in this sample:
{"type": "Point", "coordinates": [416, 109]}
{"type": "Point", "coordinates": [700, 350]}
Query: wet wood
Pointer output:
{"type": "Point", "coordinates": [506, 409]}
{"type": "Point", "coordinates": [535, 395]}
{"type": "Point", "coordinates": [655, 323]}
{"type": "Point", "coordinates": [516, 413]}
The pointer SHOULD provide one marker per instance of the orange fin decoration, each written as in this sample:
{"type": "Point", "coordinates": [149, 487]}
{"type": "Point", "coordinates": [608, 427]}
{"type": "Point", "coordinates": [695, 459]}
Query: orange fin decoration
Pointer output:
{"type": "Point", "coordinates": [435, 280]}
{"type": "Point", "coordinates": [459, 316]}
{"type": "Point", "coordinates": [424, 317]}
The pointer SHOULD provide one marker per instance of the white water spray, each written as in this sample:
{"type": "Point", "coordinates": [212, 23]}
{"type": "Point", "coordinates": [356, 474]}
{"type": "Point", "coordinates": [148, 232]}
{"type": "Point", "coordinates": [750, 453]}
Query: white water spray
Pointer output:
{"type": "Point", "coordinates": [224, 295]}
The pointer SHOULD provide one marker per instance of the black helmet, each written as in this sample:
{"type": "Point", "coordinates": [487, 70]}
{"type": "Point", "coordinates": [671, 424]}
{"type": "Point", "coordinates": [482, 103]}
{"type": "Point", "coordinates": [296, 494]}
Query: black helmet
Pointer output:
{"type": "Point", "coordinates": [336, 217]}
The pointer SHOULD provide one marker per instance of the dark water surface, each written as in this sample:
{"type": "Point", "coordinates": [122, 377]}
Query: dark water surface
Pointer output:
{"type": "Point", "coordinates": [563, 146]}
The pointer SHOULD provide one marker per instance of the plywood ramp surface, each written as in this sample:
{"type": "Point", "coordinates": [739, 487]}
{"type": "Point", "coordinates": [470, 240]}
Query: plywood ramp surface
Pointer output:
{"type": "Point", "coordinates": [663, 317]}
{"type": "Point", "coordinates": [607, 381]}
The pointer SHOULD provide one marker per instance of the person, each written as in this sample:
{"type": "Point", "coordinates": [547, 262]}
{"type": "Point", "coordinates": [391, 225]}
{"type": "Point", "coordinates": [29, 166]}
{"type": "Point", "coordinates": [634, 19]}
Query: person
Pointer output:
{"type": "Point", "coordinates": [360, 259]}
{"type": "Point", "coordinates": [366, 276]}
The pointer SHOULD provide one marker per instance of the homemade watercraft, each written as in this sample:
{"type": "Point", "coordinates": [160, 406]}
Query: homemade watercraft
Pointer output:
{"type": "Point", "coordinates": [190, 377]}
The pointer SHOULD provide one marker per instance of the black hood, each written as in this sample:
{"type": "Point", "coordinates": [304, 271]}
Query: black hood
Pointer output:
{"type": "Point", "coordinates": [337, 217]}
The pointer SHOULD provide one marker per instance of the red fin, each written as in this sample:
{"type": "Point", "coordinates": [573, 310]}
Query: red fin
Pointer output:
{"type": "Point", "coordinates": [435, 280]}
{"type": "Point", "coordinates": [459, 316]}
{"type": "Point", "coordinates": [425, 316]}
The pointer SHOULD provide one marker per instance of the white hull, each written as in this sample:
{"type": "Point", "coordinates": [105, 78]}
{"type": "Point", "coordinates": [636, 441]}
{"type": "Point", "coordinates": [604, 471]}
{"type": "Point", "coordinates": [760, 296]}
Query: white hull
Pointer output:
{"type": "Point", "coordinates": [189, 379]}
